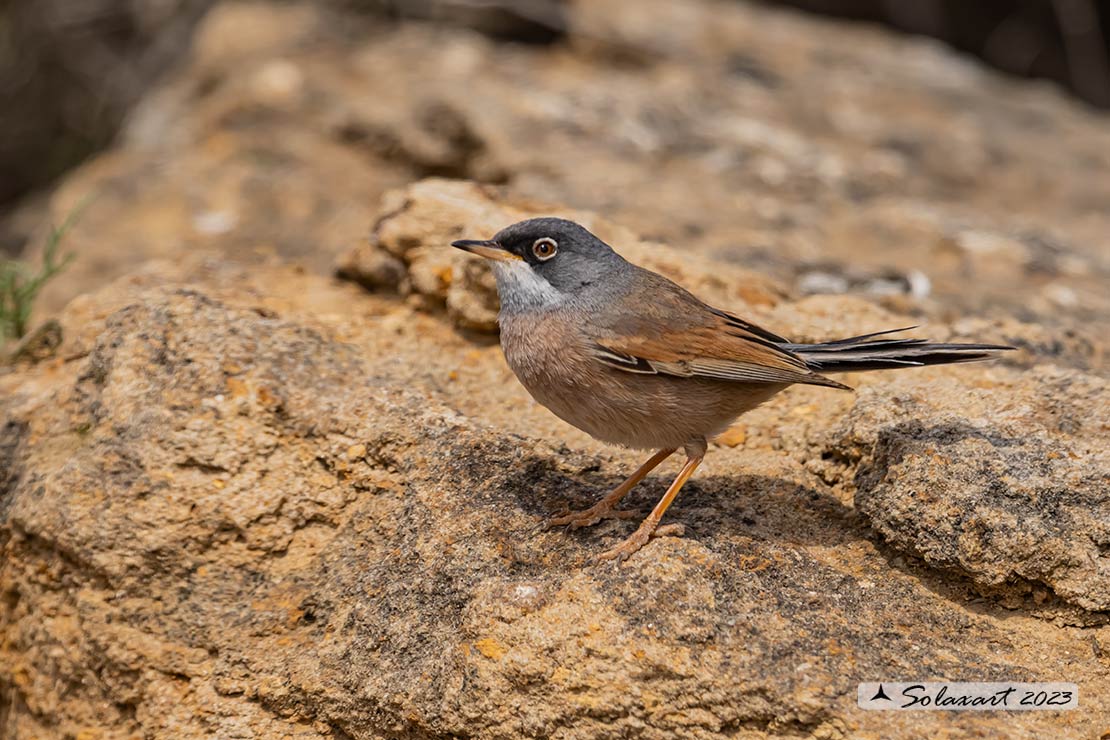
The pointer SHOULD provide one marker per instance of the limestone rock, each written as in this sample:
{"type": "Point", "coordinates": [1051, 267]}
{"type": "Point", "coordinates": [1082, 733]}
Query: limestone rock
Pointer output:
{"type": "Point", "coordinates": [220, 520]}
{"type": "Point", "coordinates": [1019, 497]}
{"type": "Point", "coordinates": [421, 221]}
{"type": "Point", "coordinates": [242, 498]}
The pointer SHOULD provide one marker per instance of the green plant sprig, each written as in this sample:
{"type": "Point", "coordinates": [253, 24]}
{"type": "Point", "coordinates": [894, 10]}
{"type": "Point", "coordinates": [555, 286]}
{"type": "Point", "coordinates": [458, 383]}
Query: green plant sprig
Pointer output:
{"type": "Point", "coordinates": [20, 283]}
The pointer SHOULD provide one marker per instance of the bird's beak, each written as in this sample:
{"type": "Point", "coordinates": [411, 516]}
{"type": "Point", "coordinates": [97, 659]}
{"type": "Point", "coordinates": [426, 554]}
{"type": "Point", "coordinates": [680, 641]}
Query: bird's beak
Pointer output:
{"type": "Point", "coordinates": [488, 249]}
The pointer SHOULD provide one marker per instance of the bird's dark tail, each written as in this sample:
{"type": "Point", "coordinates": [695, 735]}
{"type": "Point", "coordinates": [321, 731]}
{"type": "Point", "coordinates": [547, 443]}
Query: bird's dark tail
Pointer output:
{"type": "Point", "coordinates": [865, 352]}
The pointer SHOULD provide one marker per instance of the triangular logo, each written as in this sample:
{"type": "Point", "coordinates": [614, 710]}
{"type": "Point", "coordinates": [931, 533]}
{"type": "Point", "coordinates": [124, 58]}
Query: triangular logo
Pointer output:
{"type": "Point", "coordinates": [880, 694]}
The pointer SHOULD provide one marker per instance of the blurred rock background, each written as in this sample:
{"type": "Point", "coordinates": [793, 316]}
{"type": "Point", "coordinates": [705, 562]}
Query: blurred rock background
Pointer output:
{"type": "Point", "coordinates": [263, 471]}
{"type": "Point", "coordinates": [854, 161]}
{"type": "Point", "coordinates": [1061, 40]}
{"type": "Point", "coordinates": [74, 69]}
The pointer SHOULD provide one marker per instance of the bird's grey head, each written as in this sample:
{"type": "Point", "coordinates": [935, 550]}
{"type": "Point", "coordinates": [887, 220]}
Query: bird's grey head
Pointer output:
{"type": "Point", "coordinates": [544, 261]}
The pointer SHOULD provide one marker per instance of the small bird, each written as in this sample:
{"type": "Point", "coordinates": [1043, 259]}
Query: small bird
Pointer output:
{"type": "Point", "coordinates": [633, 359]}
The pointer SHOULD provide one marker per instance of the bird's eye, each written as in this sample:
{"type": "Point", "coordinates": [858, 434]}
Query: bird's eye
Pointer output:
{"type": "Point", "coordinates": [545, 248]}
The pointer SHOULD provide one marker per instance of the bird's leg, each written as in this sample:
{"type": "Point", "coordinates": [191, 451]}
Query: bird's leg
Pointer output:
{"type": "Point", "coordinates": [695, 452]}
{"type": "Point", "coordinates": [606, 507]}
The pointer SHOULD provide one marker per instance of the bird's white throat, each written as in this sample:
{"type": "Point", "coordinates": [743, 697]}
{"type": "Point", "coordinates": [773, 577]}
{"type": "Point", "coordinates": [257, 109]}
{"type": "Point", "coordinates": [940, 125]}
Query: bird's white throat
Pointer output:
{"type": "Point", "coordinates": [519, 287]}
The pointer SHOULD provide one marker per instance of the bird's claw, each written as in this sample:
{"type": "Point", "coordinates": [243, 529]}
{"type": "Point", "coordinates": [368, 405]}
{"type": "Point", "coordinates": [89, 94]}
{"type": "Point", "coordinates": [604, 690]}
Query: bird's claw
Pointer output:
{"type": "Point", "coordinates": [639, 538]}
{"type": "Point", "coordinates": [589, 517]}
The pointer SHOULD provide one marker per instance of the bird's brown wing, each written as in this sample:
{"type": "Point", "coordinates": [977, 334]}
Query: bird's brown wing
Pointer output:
{"type": "Point", "coordinates": [671, 332]}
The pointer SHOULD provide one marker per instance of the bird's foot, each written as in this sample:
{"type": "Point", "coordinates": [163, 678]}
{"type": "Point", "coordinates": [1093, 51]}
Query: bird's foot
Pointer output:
{"type": "Point", "coordinates": [591, 516]}
{"type": "Point", "coordinates": [639, 538]}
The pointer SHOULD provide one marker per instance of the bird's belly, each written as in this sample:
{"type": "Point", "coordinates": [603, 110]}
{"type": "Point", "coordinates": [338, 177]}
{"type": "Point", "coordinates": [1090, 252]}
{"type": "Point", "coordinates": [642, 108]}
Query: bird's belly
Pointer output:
{"type": "Point", "coordinates": [551, 361]}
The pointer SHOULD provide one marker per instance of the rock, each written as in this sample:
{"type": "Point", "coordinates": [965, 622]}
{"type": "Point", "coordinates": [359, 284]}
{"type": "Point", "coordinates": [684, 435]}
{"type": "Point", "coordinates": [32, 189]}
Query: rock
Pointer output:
{"type": "Point", "coordinates": [374, 269]}
{"type": "Point", "coordinates": [242, 498]}
{"type": "Point", "coordinates": [39, 344]}
{"type": "Point", "coordinates": [537, 21]}
{"type": "Point", "coordinates": [243, 33]}
{"type": "Point", "coordinates": [734, 436]}
{"type": "Point", "coordinates": [728, 131]}
{"type": "Point", "coordinates": [72, 71]}
{"type": "Point", "coordinates": [421, 221]}
{"type": "Point", "coordinates": [1019, 498]}
{"type": "Point", "coordinates": [219, 519]}
{"type": "Point", "coordinates": [1067, 346]}
{"type": "Point", "coordinates": [817, 282]}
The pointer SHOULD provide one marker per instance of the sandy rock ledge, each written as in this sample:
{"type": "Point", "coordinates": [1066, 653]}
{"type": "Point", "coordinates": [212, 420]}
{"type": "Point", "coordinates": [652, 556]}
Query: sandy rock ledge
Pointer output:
{"type": "Point", "coordinates": [242, 499]}
{"type": "Point", "coordinates": [220, 520]}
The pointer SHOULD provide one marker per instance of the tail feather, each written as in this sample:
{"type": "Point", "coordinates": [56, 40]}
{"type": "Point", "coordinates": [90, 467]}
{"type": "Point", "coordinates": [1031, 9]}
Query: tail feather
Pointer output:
{"type": "Point", "coordinates": [866, 353]}
{"type": "Point", "coordinates": [862, 337]}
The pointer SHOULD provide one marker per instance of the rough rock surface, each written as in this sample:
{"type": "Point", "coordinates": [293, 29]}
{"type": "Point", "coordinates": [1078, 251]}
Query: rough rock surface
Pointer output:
{"type": "Point", "coordinates": [239, 498]}
{"type": "Point", "coordinates": [1012, 484]}
{"type": "Point", "coordinates": [222, 520]}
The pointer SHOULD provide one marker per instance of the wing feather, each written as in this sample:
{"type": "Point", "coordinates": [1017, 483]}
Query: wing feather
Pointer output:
{"type": "Point", "coordinates": [707, 354]}
{"type": "Point", "coordinates": [663, 329]}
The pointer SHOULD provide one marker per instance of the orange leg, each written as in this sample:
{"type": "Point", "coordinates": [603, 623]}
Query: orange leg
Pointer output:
{"type": "Point", "coordinates": [606, 507]}
{"type": "Point", "coordinates": [695, 453]}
